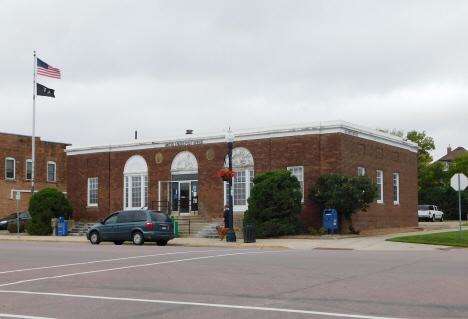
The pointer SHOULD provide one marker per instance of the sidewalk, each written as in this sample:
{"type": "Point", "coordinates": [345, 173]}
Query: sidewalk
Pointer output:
{"type": "Point", "coordinates": [328, 242]}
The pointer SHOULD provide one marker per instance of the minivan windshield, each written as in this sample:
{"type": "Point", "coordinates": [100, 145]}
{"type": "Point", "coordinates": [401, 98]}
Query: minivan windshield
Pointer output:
{"type": "Point", "coordinates": [159, 216]}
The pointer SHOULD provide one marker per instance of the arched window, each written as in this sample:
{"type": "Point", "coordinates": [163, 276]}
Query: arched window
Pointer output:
{"type": "Point", "coordinates": [243, 164]}
{"type": "Point", "coordinates": [135, 183]}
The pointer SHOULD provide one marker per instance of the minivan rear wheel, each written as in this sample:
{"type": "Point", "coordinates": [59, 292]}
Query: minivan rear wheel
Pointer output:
{"type": "Point", "coordinates": [137, 238]}
{"type": "Point", "coordinates": [161, 242]}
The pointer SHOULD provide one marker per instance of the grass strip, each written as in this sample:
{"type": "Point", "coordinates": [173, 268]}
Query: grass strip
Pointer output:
{"type": "Point", "coordinates": [443, 239]}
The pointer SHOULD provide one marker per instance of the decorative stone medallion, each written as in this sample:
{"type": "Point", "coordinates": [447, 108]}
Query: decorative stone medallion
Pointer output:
{"type": "Point", "coordinates": [158, 158]}
{"type": "Point", "coordinates": [210, 154]}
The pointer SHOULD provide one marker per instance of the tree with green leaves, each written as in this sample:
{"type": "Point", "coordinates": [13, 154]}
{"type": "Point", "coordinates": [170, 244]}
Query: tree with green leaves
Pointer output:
{"type": "Point", "coordinates": [459, 165]}
{"type": "Point", "coordinates": [426, 144]}
{"type": "Point", "coordinates": [433, 176]}
{"type": "Point", "coordinates": [275, 204]}
{"type": "Point", "coordinates": [46, 204]}
{"type": "Point", "coordinates": [347, 193]}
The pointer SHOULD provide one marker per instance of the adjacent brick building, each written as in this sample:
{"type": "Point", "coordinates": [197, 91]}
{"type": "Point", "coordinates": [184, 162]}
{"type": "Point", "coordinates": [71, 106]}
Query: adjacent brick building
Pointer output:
{"type": "Point", "coordinates": [16, 165]}
{"type": "Point", "coordinates": [183, 171]}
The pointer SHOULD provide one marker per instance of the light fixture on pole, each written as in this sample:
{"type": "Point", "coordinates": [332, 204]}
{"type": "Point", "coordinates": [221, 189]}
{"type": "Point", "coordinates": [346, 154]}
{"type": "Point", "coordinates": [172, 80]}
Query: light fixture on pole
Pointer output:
{"type": "Point", "coordinates": [231, 235]}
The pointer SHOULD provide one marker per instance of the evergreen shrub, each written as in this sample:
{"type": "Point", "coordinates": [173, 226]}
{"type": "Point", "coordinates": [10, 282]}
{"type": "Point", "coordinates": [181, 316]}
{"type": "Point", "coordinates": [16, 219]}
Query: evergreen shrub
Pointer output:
{"type": "Point", "coordinates": [13, 227]}
{"type": "Point", "coordinates": [275, 204]}
{"type": "Point", "coordinates": [46, 204]}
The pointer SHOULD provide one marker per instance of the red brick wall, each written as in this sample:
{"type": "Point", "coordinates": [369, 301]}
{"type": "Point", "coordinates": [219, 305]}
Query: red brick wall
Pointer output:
{"type": "Point", "coordinates": [318, 154]}
{"type": "Point", "coordinates": [375, 156]}
{"type": "Point", "coordinates": [19, 147]}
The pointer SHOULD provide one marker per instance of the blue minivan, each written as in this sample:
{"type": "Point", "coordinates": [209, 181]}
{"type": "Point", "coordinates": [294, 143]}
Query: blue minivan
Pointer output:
{"type": "Point", "coordinates": [137, 226]}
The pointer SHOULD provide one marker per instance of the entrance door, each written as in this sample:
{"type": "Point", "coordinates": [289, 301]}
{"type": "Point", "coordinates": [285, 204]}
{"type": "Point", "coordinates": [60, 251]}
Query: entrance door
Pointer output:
{"type": "Point", "coordinates": [184, 197]}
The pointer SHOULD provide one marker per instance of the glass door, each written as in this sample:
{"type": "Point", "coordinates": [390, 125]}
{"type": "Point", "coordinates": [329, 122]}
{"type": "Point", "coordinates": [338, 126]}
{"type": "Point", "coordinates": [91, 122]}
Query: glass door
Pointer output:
{"type": "Point", "coordinates": [184, 191]}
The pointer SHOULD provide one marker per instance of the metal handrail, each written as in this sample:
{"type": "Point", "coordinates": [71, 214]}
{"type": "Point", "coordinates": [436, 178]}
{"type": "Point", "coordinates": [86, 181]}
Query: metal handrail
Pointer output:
{"type": "Point", "coordinates": [185, 219]}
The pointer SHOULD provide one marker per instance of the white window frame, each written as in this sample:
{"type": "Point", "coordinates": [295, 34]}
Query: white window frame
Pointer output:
{"type": "Point", "coordinates": [396, 188]}
{"type": "Point", "coordinates": [55, 172]}
{"type": "Point", "coordinates": [380, 189]}
{"type": "Point", "coordinates": [249, 175]}
{"type": "Point", "coordinates": [129, 199]}
{"type": "Point", "coordinates": [300, 177]}
{"type": "Point", "coordinates": [361, 171]}
{"type": "Point", "coordinates": [14, 167]}
{"type": "Point", "coordinates": [135, 167]}
{"type": "Point", "coordinates": [93, 185]}
{"type": "Point", "coordinates": [27, 162]}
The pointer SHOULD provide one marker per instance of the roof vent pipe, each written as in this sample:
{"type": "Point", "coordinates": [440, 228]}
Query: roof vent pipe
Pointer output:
{"type": "Point", "coordinates": [187, 132]}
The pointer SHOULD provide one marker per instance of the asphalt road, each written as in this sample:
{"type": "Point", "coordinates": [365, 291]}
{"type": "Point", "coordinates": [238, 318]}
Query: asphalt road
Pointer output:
{"type": "Point", "coordinates": [65, 280]}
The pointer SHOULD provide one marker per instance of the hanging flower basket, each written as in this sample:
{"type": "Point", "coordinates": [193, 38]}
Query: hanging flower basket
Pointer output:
{"type": "Point", "coordinates": [226, 174]}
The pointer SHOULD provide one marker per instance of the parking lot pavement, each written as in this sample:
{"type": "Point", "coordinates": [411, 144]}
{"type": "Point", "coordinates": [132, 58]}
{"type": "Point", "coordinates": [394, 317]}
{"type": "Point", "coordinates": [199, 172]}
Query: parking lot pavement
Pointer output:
{"type": "Point", "coordinates": [339, 242]}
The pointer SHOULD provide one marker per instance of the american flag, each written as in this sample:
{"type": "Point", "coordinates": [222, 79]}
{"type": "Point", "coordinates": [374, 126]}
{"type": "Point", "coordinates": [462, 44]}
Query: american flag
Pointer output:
{"type": "Point", "coordinates": [47, 70]}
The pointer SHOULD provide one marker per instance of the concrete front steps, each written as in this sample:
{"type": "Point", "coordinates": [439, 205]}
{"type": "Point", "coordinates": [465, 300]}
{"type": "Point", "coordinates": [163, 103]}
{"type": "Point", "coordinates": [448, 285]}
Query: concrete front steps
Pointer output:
{"type": "Point", "coordinates": [209, 231]}
{"type": "Point", "coordinates": [197, 225]}
{"type": "Point", "coordinates": [80, 229]}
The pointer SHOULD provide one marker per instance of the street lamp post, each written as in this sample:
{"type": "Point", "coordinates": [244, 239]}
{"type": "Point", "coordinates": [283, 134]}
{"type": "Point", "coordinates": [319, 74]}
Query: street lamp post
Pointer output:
{"type": "Point", "coordinates": [231, 235]}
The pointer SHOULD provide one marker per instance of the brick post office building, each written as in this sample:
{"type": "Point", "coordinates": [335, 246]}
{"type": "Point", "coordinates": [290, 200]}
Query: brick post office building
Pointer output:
{"type": "Point", "coordinates": [50, 169]}
{"type": "Point", "coordinates": [183, 171]}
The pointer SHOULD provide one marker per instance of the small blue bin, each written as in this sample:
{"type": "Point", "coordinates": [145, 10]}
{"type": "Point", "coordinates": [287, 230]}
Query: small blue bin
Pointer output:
{"type": "Point", "coordinates": [330, 220]}
{"type": "Point", "coordinates": [62, 227]}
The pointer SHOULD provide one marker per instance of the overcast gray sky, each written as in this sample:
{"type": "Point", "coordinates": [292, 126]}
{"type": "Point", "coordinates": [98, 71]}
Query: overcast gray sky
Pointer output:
{"type": "Point", "coordinates": [162, 67]}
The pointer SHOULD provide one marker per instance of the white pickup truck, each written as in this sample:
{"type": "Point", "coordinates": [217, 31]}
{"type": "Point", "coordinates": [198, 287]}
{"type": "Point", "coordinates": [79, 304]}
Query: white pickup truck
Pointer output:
{"type": "Point", "coordinates": [430, 213]}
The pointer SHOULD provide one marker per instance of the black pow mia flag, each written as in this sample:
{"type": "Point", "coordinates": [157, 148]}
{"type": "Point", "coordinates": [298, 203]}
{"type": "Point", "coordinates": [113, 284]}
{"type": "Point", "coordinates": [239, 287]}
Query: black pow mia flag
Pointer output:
{"type": "Point", "coordinates": [42, 90]}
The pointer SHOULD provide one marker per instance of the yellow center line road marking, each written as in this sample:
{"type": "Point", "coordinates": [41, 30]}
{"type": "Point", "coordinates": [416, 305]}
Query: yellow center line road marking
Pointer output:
{"type": "Point", "coordinates": [135, 266]}
{"type": "Point", "coordinates": [106, 260]}
{"type": "Point", "coordinates": [201, 304]}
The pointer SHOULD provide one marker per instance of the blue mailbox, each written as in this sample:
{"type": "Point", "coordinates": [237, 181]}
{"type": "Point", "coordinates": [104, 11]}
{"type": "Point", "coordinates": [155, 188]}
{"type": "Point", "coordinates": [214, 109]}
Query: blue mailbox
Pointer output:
{"type": "Point", "coordinates": [330, 220]}
{"type": "Point", "coordinates": [62, 227]}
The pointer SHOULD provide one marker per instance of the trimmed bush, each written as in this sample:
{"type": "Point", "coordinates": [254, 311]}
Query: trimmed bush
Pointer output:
{"type": "Point", "coordinates": [46, 204]}
{"type": "Point", "coordinates": [275, 204]}
{"type": "Point", "coordinates": [13, 227]}
{"type": "Point", "coordinates": [446, 199]}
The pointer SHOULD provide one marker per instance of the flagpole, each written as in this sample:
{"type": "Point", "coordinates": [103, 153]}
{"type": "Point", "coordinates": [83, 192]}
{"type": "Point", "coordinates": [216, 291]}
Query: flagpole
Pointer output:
{"type": "Point", "coordinates": [34, 126]}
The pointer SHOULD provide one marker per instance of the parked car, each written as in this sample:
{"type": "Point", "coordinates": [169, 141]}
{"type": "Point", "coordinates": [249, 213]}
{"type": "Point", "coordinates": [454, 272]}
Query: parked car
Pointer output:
{"type": "Point", "coordinates": [430, 213]}
{"type": "Point", "coordinates": [23, 217]}
{"type": "Point", "coordinates": [137, 226]}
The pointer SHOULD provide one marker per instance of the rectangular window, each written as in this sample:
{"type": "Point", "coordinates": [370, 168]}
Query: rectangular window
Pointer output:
{"type": "Point", "coordinates": [146, 190]}
{"type": "Point", "coordinates": [396, 188]}
{"type": "Point", "coordinates": [240, 189]}
{"type": "Point", "coordinates": [126, 191]}
{"type": "Point", "coordinates": [298, 171]}
{"type": "Point", "coordinates": [380, 187]}
{"type": "Point", "coordinates": [10, 168]}
{"type": "Point", "coordinates": [136, 191]}
{"type": "Point", "coordinates": [361, 171]}
{"type": "Point", "coordinates": [28, 170]}
{"type": "Point", "coordinates": [242, 184]}
{"type": "Point", "coordinates": [51, 171]}
{"type": "Point", "coordinates": [93, 191]}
